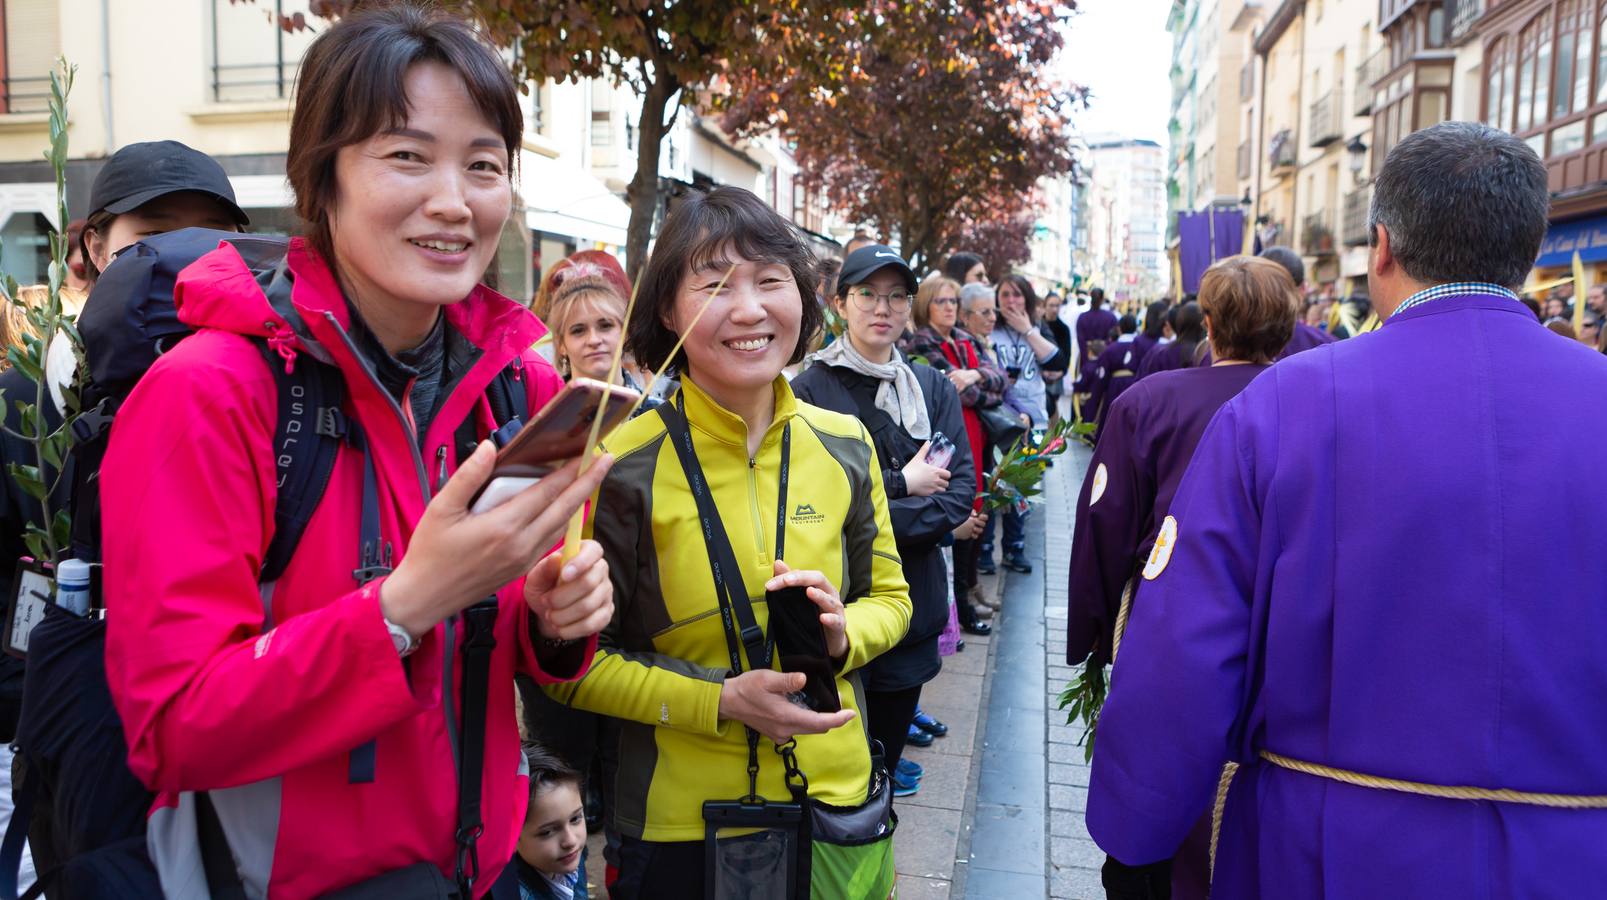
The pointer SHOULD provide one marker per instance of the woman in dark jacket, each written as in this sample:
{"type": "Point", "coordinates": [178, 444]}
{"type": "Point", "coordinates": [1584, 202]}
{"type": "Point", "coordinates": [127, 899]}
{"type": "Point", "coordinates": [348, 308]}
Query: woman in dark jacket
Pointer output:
{"type": "Point", "coordinates": [962, 359]}
{"type": "Point", "coordinates": [904, 406]}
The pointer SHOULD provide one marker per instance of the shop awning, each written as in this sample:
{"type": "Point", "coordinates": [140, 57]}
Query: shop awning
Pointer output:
{"type": "Point", "coordinates": [1587, 236]}
{"type": "Point", "coordinates": [564, 199]}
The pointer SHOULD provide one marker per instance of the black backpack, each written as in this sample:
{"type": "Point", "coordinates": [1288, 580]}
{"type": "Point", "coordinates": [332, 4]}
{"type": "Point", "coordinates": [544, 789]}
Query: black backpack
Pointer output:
{"type": "Point", "coordinates": [77, 803]}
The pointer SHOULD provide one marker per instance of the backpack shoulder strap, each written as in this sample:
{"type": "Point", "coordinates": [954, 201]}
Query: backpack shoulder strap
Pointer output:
{"type": "Point", "coordinates": [510, 404]}
{"type": "Point", "coordinates": [308, 432]}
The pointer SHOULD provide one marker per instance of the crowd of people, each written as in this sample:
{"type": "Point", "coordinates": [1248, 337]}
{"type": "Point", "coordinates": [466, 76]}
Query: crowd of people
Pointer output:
{"type": "Point", "coordinates": [1316, 565]}
{"type": "Point", "coordinates": [352, 681]}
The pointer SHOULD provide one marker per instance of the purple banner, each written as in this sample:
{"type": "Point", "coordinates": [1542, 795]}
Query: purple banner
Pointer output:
{"type": "Point", "coordinates": [1204, 238]}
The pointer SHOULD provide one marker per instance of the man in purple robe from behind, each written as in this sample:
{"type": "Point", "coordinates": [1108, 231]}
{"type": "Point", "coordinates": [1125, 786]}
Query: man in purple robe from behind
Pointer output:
{"type": "Point", "coordinates": [1349, 588]}
{"type": "Point", "coordinates": [1305, 336]}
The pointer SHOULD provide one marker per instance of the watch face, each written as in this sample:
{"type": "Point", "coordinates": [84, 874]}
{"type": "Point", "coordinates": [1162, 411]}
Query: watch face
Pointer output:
{"type": "Point", "coordinates": [399, 638]}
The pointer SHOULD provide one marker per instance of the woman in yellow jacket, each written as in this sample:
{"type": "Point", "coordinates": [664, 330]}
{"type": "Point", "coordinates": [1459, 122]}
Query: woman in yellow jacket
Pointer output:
{"type": "Point", "coordinates": [663, 665]}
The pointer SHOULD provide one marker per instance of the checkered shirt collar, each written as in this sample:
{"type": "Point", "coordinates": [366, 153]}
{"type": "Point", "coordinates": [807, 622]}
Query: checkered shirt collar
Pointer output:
{"type": "Point", "coordinates": [1454, 289]}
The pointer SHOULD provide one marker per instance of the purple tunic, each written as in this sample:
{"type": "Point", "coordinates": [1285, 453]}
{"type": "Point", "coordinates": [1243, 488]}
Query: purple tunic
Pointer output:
{"type": "Point", "coordinates": [1378, 566]}
{"type": "Point", "coordinates": [1146, 445]}
{"type": "Point", "coordinates": [1114, 371]}
{"type": "Point", "coordinates": [1166, 357]}
{"type": "Point", "coordinates": [1304, 338]}
{"type": "Point", "coordinates": [1093, 325]}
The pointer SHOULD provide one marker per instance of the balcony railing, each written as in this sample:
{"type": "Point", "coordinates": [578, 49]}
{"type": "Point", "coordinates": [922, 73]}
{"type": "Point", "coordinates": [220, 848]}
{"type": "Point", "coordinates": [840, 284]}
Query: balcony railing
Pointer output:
{"type": "Point", "coordinates": [25, 95]}
{"type": "Point", "coordinates": [1462, 14]}
{"type": "Point", "coordinates": [1244, 159]}
{"type": "Point", "coordinates": [1371, 69]}
{"type": "Point", "coordinates": [1353, 230]}
{"type": "Point", "coordinates": [1281, 149]}
{"type": "Point", "coordinates": [1325, 125]}
{"type": "Point", "coordinates": [1318, 237]}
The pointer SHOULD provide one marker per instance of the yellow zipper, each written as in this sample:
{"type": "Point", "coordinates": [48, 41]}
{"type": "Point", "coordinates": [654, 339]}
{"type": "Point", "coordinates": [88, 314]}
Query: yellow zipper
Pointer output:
{"type": "Point", "coordinates": [760, 543]}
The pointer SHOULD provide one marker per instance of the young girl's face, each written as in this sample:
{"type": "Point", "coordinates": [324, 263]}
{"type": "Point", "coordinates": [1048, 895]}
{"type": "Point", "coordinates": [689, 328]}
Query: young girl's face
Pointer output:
{"type": "Point", "coordinates": [554, 831]}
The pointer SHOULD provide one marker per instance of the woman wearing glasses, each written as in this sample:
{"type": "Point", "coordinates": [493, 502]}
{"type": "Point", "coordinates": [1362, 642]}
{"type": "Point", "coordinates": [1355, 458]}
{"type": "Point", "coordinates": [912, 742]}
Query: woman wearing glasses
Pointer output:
{"type": "Point", "coordinates": [904, 406]}
{"type": "Point", "coordinates": [953, 351]}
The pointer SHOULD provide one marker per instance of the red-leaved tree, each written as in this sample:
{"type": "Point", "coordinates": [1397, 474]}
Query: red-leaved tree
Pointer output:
{"type": "Point", "coordinates": [940, 112]}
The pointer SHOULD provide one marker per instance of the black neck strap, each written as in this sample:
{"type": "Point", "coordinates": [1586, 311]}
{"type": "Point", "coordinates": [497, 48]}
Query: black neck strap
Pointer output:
{"type": "Point", "coordinates": [742, 631]}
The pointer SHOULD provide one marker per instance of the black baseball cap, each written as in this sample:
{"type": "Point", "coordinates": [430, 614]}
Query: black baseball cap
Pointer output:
{"type": "Point", "coordinates": [140, 173]}
{"type": "Point", "coordinates": [867, 261]}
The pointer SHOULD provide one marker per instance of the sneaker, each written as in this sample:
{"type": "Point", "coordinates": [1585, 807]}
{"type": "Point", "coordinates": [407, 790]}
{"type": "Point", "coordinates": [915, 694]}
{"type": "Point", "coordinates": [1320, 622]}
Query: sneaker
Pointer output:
{"type": "Point", "coordinates": [904, 787]}
{"type": "Point", "coordinates": [910, 769]}
{"type": "Point", "coordinates": [984, 565]}
{"type": "Point", "coordinates": [918, 738]}
{"type": "Point", "coordinates": [930, 725]}
{"type": "Point", "coordinates": [1016, 561]}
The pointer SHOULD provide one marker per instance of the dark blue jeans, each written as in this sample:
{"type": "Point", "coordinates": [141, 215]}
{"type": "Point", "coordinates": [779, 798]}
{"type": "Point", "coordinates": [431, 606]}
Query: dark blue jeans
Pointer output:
{"type": "Point", "coordinates": [1015, 530]}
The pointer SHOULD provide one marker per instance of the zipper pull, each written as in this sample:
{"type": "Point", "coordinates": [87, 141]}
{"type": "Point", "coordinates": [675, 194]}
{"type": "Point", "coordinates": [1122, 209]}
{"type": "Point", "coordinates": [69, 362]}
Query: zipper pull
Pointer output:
{"type": "Point", "coordinates": [440, 468]}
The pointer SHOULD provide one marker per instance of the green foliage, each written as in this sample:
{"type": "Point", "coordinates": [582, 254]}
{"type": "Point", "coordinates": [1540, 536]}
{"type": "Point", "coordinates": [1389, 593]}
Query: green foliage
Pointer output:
{"type": "Point", "coordinates": [1018, 473]}
{"type": "Point", "coordinates": [1084, 698]}
{"type": "Point", "coordinates": [49, 538]}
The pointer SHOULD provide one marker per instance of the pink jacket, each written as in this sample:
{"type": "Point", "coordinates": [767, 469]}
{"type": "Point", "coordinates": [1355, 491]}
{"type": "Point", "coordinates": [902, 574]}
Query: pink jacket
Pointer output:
{"type": "Point", "coordinates": [265, 720]}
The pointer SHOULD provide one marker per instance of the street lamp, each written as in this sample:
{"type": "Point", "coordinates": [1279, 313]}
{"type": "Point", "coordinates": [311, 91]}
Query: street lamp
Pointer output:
{"type": "Point", "coordinates": [1358, 157]}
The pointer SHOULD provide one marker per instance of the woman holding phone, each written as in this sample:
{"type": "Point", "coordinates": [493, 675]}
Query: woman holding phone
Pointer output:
{"type": "Point", "coordinates": [906, 407]}
{"type": "Point", "coordinates": [799, 499]}
{"type": "Point", "coordinates": [317, 718]}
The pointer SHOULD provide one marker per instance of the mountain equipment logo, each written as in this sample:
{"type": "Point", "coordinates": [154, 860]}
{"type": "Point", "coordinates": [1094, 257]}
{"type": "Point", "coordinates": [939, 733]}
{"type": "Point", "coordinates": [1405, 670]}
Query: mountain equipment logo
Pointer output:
{"type": "Point", "coordinates": [804, 513]}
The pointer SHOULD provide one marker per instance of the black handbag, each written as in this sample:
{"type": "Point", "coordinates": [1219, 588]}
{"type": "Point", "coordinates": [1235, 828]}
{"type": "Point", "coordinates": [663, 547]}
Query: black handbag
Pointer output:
{"type": "Point", "coordinates": [1002, 424]}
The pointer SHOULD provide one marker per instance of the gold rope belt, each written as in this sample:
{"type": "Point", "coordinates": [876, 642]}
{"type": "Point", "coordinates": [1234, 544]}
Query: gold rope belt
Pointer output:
{"type": "Point", "coordinates": [1447, 792]}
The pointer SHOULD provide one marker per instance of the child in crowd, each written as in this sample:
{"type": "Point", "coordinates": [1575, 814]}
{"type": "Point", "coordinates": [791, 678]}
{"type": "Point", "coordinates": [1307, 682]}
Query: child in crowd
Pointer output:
{"type": "Point", "coordinates": [552, 844]}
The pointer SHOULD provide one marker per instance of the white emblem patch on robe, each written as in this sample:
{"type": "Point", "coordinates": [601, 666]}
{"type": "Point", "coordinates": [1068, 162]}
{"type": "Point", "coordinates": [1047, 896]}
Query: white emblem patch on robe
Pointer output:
{"type": "Point", "coordinates": [1161, 553]}
{"type": "Point", "coordinates": [1097, 489]}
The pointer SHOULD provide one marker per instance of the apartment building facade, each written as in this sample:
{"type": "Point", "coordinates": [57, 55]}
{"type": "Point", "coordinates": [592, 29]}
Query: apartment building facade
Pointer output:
{"type": "Point", "coordinates": [1127, 216]}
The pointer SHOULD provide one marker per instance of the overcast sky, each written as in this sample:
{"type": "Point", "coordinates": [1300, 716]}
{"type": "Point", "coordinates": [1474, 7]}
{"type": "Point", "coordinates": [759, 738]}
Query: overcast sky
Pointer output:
{"type": "Point", "coordinates": [1120, 50]}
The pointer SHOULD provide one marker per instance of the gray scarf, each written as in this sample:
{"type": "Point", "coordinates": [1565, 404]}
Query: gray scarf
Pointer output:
{"type": "Point", "coordinates": [898, 395]}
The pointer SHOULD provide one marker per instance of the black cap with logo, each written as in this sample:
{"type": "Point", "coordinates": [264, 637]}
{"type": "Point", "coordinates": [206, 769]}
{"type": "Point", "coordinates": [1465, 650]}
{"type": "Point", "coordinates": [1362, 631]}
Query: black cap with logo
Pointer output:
{"type": "Point", "coordinates": [140, 173]}
{"type": "Point", "coordinates": [867, 261]}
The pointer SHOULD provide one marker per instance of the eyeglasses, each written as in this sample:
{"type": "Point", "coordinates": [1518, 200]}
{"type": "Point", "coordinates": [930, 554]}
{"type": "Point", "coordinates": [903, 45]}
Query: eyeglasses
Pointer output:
{"type": "Point", "coordinates": [946, 301]}
{"type": "Point", "coordinates": [867, 301]}
{"type": "Point", "coordinates": [986, 312]}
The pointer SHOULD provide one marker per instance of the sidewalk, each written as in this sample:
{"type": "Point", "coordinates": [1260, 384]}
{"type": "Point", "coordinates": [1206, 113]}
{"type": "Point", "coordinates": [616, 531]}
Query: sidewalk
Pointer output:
{"type": "Point", "coordinates": [1000, 811]}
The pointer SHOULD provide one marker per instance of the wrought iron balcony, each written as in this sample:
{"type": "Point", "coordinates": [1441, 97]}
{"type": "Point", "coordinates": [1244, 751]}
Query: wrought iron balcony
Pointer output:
{"type": "Point", "coordinates": [1367, 74]}
{"type": "Point", "coordinates": [1281, 149]}
{"type": "Point", "coordinates": [1462, 14]}
{"type": "Point", "coordinates": [1325, 127]}
{"type": "Point", "coordinates": [1353, 230]}
{"type": "Point", "coordinates": [1318, 235]}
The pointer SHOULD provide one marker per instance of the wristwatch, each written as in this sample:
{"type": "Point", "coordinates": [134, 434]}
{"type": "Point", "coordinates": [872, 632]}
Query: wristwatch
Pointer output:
{"type": "Point", "coordinates": [405, 642]}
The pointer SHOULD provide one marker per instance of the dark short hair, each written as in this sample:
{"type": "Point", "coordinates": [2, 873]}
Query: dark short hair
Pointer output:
{"type": "Point", "coordinates": [700, 229]}
{"type": "Point", "coordinates": [1155, 318]}
{"type": "Point", "coordinates": [1128, 323]}
{"type": "Point", "coordinates": [1286, 257]}
{"type": "Point", "coordinates": [547, 770]}
{"type": "Point", "coordinates": [1252, 305]}
{"type": "Point", "coordinates": [1027, 293]}
{"type": "Point", "coordinates": [960, 263]}
{"type": "Point", "coordinates": [1462, 202]}
{"type": "Point", "coordinates": [1096, 298]}
{"type": "Point", "coordinates": [352, 86]}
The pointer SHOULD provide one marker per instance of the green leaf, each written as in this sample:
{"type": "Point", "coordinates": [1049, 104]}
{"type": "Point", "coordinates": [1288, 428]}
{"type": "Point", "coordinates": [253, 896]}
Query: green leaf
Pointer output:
{"type": "Point", "coordinates": [35, 539]}
{"type": "Point", "coordinates": [61, 528]}
{"type": "Point", "coordinates": [29, 479]}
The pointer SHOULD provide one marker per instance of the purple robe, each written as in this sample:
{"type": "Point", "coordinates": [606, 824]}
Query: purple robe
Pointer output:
{"type": "Point", "coordinates": [1169, 356]}
{"type": "Point", "coordinates": [1148, 439]}
{"type": "Point", "coordinates": [1382, 563]}
{"type": "Point", "coordinates": [1114, 371]}
{"type": "Point", "coordinates": [1144, 344]}
{"type": "Point", "coordinates": [1093, 325]}
{"type": "Point", "coordinates": [1305, 338]}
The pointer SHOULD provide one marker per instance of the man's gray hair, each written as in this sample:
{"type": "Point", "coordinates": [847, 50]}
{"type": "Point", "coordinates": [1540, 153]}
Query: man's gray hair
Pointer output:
{"type": "Point", "coordinates": [1462, 202]}
{"type": "Point", "coordinates": [972, 293]}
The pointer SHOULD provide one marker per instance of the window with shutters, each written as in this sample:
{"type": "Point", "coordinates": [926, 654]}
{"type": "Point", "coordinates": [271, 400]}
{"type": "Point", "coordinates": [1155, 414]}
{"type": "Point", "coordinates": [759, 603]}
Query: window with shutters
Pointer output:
{"type": "Point", "coordinates": [32, 43]}
{"type": "Point", "coordinates": [254, 58]}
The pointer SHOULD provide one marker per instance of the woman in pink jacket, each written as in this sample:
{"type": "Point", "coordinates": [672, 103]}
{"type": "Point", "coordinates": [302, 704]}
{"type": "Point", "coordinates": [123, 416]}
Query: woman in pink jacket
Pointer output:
{"type": "Point", "coordinates": [319, 713]}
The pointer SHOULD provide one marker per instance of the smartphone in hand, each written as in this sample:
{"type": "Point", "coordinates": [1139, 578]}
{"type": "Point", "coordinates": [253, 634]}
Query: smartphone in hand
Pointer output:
{"type": "Point", "coordinates": [801, 645]}
{"type": "Point", "coordinates": [940, 452]}
{"type": "Point", "coordinates": [556, 435]}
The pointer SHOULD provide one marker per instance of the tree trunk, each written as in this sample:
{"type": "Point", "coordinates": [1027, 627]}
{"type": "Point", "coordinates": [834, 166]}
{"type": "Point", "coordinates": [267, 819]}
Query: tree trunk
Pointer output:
{"type": "Point", "coordinates": [642, 195]}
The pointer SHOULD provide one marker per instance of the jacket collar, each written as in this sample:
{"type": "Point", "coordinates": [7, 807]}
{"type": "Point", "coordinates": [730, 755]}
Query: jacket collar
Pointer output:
{"type": "Point", "coordinates": [1456, 302]}
{"type": "Point", "coordinates": [727, 427]}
